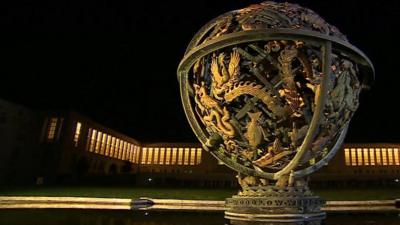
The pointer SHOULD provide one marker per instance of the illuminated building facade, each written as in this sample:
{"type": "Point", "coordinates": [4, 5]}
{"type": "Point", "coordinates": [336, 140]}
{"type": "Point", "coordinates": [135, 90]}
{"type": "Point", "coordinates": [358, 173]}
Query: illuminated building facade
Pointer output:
{"type": "Point", "coordinates": [375, 162]}
{"type": "Point", "coordinates": [87, 149]}
{"type": "Point", "coordinates": [109, 152]}
{"type": "Point", "coordinates": [372, 156]}
{"type": "Point", "coordinates": [66, 146]}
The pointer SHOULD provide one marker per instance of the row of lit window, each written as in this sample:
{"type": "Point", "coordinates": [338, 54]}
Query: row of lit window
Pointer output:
{"type": "Point", "coordinates": [372, 156]}
{"type": "Point", "coordinates": [171, 156]}
{"type": "Point", "coordinates": [53, 126]}
{"type": "Point", "coordinates": [77, 133]}
{"type": "Point", "coordinates": [105, 144]}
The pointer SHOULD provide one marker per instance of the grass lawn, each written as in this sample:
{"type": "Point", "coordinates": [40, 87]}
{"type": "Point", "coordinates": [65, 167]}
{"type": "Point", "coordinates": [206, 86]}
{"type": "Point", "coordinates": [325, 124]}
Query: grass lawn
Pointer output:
{"type": "Point", "coordinates": [189, 193]}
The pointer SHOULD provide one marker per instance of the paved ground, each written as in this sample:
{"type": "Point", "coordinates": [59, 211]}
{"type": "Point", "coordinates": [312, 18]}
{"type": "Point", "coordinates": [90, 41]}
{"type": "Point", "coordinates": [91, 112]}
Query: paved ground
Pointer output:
{"type": "Point", "coordinates": [334, 194]}
{"type": "Point", "coordinates": [29, 202]}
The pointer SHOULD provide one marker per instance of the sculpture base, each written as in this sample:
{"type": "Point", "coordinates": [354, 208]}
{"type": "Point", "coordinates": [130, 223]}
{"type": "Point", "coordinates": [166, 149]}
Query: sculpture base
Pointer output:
{"type": "Point", "coordinates": [272, 205]}
{"type": "Point", "coordinates": [271, 219]}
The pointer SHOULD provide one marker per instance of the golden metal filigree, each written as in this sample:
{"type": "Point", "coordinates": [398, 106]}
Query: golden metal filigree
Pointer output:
{"type": "Point", "coordinates": [291, 94]}
{"type": "Point", "coordinates": [256, 90]}
{"type": "Point", "coordinates": [205, 101]}
{"type": "Point", "coordinates": [220, 122]}
{"type": "Point", "coordinates": [222, 75]}
{"type": "Point", "coordinates": [261, 106]}
{"type": "Point", "coordinates": [275, 152]}
{"type": "Point", "coordinates": [254, 132]}
{"type": "Point", "coordinates": [215, 115]}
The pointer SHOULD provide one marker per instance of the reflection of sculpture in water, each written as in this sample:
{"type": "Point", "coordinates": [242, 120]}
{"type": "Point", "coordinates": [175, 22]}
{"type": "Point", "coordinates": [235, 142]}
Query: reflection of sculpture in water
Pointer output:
{"type": "Point", "coordinates": [270, 90]}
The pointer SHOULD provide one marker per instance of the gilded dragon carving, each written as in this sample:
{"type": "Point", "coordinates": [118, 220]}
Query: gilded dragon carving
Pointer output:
{"type": "Point", "coordinates": [256, 90]}
{"type": "Point", "coordinates": [222, 76]}
{"type": "Point", "coordinates": [221, 123]}
{"type": "Point", "coordinates": [204, 101]}
{"type": "Point", "coordinates": [215, 115]}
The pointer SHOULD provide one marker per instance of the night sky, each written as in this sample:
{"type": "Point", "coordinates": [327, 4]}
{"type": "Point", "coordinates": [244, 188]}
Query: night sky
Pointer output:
{"type": "Point", "coordinates": [115, 61]}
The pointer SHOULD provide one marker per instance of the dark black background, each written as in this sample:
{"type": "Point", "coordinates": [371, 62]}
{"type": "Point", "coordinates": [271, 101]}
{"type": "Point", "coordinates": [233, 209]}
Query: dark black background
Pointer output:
{"type": "Point", "coordinates": [115, 61]}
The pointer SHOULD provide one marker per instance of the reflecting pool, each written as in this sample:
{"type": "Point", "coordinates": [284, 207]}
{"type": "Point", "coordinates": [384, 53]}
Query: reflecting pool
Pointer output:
{"type": "Point", "coordinates": [100, 217]}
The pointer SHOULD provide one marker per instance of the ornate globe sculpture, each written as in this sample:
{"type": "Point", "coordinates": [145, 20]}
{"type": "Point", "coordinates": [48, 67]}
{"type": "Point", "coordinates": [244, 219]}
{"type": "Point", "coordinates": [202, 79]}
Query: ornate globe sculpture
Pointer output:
{"type": "Point", "coordinates": [269, 90]}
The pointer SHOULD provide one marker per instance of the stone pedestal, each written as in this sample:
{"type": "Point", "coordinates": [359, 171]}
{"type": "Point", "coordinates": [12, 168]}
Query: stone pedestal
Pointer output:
{"type": "Point", "coordinates": [272, 205]}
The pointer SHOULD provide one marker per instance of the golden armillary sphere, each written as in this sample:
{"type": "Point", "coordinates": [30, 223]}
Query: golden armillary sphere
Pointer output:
{"type": "Point", "coordinates": [269, 90]}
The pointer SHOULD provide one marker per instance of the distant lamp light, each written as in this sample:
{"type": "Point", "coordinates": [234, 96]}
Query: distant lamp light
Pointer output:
{"type": "Point", "coordinates": [150, 179]}
{"type": "Point", "coordinates": [396, 180]}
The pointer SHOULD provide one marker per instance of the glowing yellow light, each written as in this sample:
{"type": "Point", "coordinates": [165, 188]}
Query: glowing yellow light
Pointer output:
{"type": "Point", "coordinates": [359, 156]}
{"type": "Point", "coordinates": [162, 156]}
{"type": "Point", "coordinates": [89, 137]}
{"type": "Point", "coordinates": [186, 160]}
{"type": "Point", "coordinates": [347, 156]}
{"type": "Point", "coordinates": [174, 155]}
{"type": "Point", "coordinates": [98, 141]}
{"type": "Point", "coordinates": [51, 130]}
{"type": "Point", "coordinates": [149, 155]}
{"type": "Point", "coordinates": [372, 156]}
{"type": "Point", "coordinates": [390, 156]}
{"type": "Point", "coordinates": [192, 156]}
{"type": "Point", "coordinates": [77, 133]}
{"type": "Point", "coordinates": [384, 157]}
{"type": "Point", "coordinates": [132, 158]}
{"type": "Point", "coordinates": [93, 140]}
{"type": "Point", "coordinates": [198, 158]}
{"type": "Point", "coordinates": [135, 153]}
{"type": "Point", "coordinates": [138, 151]}
{"type": "Point", "coordinates": [353, 157]}
{"type": "Point", "coordinates": [168, 156]}
{"type": "Point", "coordinates": [180, 156]}
{"type": "Point", "coordinates": [112, 148]}
{"type": "Point", "coordinates": [119, 152]}
{"type": "Point", "coordinates": [117, 144]}
{"type": "Point", "coordinates": [396, 156]}
{"type": "Point", "coordinates": [144, 156]}
{"type": "Point", "coordinates": [122, 156]}
{"type": "Point", "coordinates": [366, 158]}
{"type": "Point", "coordinates": [103, 144]}
{"type": "Point", "coordinates": [126, 151]}
{"type": "Point", "coordinates": [122, 152]}
{"type": "Point", "coordinates": [108, 145]}
{"type": "Point", "coordinates": [378, 156]}
{"type": "Point", "coordinates": [156, 155]}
